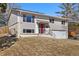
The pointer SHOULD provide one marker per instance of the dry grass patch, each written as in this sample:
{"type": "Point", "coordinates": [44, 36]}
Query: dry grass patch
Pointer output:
{"type": "Point", "coordinates": [42, 46]}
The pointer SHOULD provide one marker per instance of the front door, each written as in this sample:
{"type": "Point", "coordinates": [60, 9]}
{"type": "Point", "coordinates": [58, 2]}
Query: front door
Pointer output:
{"type": "Point", "coordinates": [41, 28]}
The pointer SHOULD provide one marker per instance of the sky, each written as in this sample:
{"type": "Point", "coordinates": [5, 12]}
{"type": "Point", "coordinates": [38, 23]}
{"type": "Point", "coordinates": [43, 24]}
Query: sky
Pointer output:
{"type": "Point", "coordinates": [47, 8]}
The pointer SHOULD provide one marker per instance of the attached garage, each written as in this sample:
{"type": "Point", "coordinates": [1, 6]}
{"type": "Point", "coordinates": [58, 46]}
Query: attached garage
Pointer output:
{"type": "Point", "coordinates": [60, 34]}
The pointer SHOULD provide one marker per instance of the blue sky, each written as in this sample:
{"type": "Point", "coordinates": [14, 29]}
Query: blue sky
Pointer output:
{"type": "Point", "coordinates": [47, 8]}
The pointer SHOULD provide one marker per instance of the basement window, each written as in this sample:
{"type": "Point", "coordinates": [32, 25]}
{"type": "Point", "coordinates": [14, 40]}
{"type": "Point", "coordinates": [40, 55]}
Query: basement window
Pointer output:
{"type": "Point", "coordinates": [24, 31]}
{"type": "Point", "coordinates": [28, 30]}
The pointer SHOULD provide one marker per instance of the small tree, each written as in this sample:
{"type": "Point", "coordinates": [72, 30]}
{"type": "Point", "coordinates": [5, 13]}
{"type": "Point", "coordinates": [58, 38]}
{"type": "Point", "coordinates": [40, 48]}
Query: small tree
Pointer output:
{"type": "Point", "coordinates": [67, 9]}
{"type": "Point", "coordinates": [3, 7]}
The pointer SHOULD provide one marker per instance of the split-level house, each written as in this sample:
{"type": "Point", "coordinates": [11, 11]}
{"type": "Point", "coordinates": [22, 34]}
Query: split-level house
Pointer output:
{"type": "Point", "coordinates": [24, 23]}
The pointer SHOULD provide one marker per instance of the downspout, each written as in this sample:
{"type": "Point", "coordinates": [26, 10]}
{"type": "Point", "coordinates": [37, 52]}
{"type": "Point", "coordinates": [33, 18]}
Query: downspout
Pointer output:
{"type": "Point", "coordinates": [18, 26]}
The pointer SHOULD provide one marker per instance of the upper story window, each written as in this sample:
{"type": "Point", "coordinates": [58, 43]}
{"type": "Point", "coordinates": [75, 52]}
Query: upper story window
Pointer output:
{"type": "Point", "coordinates": [63, 22]}
{"type": "Point", "coordinates": [28, 18]}
{"type": "Point", "coordinates": [24, 18]}
{"type": "Point", "coordinates": [52, 20]}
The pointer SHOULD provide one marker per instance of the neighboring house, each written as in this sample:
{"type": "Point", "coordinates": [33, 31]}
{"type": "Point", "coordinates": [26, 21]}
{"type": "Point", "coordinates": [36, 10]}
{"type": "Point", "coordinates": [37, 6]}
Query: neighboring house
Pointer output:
{"type": "Point", "coordinates": [25, 23]}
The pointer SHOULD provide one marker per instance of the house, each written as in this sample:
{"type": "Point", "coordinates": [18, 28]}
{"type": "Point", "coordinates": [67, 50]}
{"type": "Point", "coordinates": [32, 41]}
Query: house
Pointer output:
{"type": "Point", "coordinates": [24, 23]}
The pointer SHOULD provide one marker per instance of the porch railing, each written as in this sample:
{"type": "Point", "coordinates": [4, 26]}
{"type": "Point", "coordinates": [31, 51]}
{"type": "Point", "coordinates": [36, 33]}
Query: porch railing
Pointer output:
{"type": "Point", "coordinates": [44, 30]}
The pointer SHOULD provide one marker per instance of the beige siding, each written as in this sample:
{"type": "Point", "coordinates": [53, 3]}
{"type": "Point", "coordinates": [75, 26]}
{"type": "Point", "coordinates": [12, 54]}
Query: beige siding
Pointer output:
{"type": "Point", "coordinates": [12, 20]}
{"type": "Point", "coordinates": [16, 22]}
{"type": "Point", "coordinates": [25, 25]}
{"type": "Point", "coordinates": [57, 25]}
{"type": "Point", "coordinates": [12, 23]}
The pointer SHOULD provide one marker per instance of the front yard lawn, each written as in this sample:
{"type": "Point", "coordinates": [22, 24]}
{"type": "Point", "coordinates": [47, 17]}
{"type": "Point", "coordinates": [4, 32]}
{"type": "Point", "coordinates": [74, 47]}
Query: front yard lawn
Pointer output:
{"type": "Point", "coordinates": [41, 46]}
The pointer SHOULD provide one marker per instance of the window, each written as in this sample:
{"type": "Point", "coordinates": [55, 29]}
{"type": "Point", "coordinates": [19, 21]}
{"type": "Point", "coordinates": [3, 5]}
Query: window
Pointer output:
{"type": "Point", "coordinates": [24, 18]}
{"type": "Point", "coordinates": [32, 30]}
{"type": "Point", "coordinates": [52, 20]}
{"type": "Point", "coordinates": [28, 18]}
{"type": "Point", "coordinates": [28, 30]}
{"type": "Point", "coordinates": [63, 22]}
{"type": "Point", "coordinates": [33, 18]}
{"type": "Point", "coordinates": [24, 31]}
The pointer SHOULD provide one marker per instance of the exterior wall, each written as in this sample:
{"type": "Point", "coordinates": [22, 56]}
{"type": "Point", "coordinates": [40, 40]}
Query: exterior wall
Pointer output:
{"type": "Point", "coordinates": [12, 20]}
{"type": "Point", "coordinates": [25, 25]}
{"type": "Point", "coordinates": [16, 22]}
{"type": "Point", "coordinates": [40, 19]}
{"type": "Point", "coordinates": [58, 26]}
{"type": "Point", "coordinates": [59, 30]}
{"type": "Point", "coordinates": [36, 26]}
{"type": "Point", "coordinates": [12, 23]}
{"type": "Point", "coordinates": [28, 25]}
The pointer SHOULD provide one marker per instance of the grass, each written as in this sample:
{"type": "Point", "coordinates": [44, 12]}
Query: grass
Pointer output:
{"type": "Point", "coordinates": [41, 46]}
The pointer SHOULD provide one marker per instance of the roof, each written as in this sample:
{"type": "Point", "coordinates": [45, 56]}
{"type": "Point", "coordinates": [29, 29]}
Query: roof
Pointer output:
{"type": "Point", "coordinates": [38, 13]}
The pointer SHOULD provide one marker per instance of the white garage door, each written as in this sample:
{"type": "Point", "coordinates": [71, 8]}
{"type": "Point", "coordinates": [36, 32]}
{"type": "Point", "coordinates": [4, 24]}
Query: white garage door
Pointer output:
{"type": "Point", "coordinates": [60, 34]}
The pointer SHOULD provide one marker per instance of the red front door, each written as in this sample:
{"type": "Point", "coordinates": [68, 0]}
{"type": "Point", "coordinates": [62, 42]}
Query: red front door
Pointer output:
{"type": "Point", "coordinates": [41, 28]}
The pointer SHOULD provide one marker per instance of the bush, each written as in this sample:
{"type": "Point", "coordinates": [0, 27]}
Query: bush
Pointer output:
{"type": "Point", "coordinates": [6, 41]}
